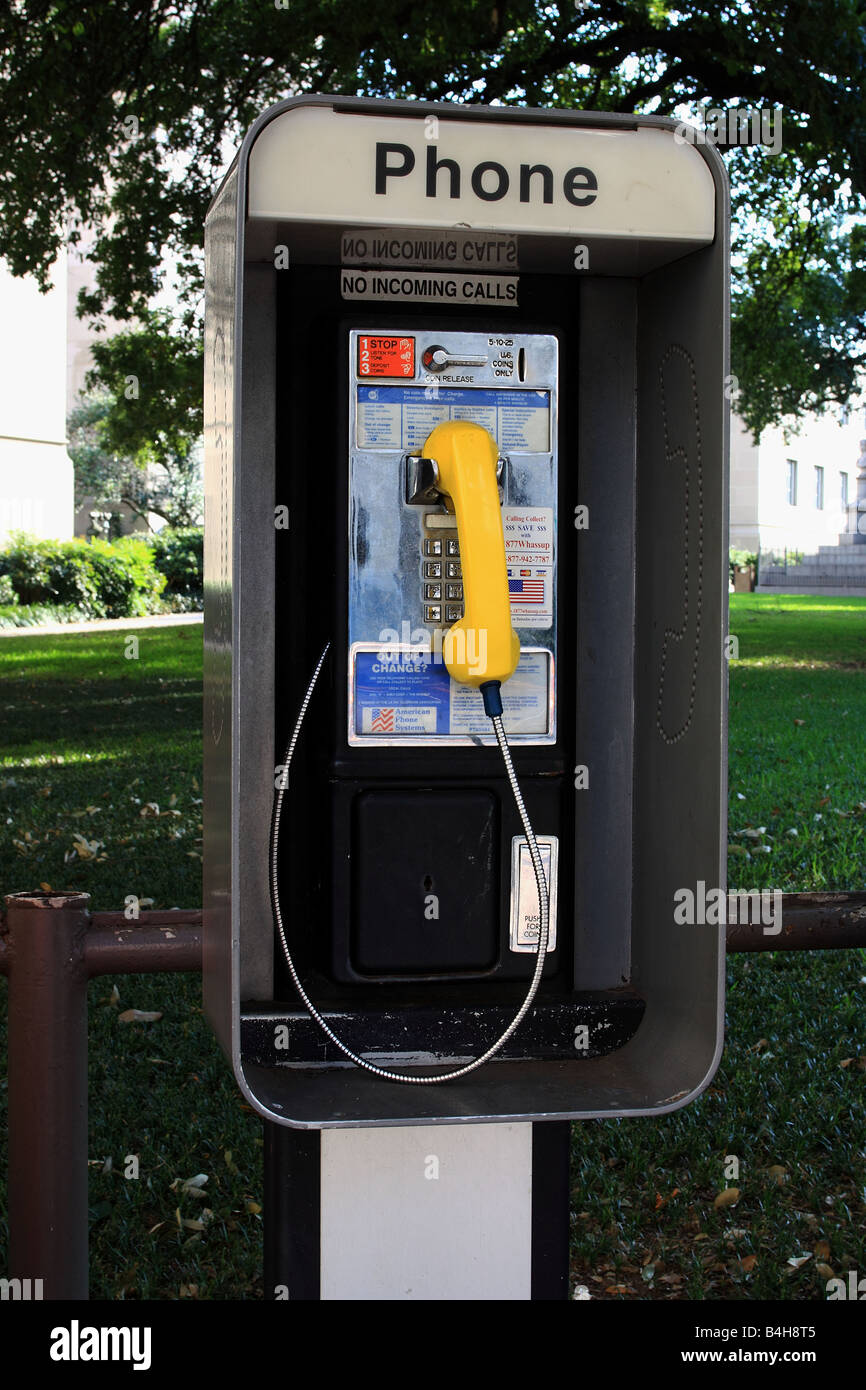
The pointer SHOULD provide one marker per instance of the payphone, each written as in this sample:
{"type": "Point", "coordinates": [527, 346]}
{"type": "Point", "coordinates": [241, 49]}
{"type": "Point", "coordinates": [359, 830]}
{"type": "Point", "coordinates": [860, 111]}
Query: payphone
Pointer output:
{"type": "Point", "coordinates": [466, 445]}
{"type": "Point", "coordinates": [450, 542]}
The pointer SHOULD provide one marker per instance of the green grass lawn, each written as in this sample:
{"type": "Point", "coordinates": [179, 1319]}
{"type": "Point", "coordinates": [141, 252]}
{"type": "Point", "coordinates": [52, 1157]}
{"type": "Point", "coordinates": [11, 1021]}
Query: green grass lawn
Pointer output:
{"type": "Point", "coordinates": [797, 757]}
{"type": "Point", "coordinates": [100, 789]}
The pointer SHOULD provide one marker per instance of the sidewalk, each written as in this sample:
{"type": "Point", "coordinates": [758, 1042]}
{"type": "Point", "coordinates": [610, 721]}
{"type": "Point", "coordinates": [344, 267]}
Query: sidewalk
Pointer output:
{"type": "Point", "coordinates": [104, 625]}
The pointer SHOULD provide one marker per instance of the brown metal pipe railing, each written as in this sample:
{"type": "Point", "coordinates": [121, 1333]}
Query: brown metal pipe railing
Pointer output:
{"type": "Point", "coordinates": [157, 941]}
{"type": "Point", "coordinates": [50, 948]}
{"type": "Point", "coordinates": [48, 1092]}
{"type": "Point", "coordinates": [810, 922]}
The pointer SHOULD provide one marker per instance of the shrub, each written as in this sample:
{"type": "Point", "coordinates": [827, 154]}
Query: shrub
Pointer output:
{"type": "Point", "coordinates": [38, 615]}
{"type": "Point", "coordinates": [7, 591]}
{"type": "Point", "coordinates": [179, 555]}
{"type": "Point", "coordinates": [740, 559]}
{"type": "Point", "coordinates": [98, 578]}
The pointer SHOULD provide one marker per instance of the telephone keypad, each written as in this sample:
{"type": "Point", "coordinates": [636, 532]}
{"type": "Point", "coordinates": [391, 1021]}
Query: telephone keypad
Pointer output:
{"type": "Point", "coordinates": [435, 611]}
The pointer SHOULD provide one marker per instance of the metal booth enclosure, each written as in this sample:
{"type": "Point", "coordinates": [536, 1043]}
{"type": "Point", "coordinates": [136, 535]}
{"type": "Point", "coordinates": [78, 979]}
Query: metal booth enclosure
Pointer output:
{"type": "Point", "coordinates": [465, 413]}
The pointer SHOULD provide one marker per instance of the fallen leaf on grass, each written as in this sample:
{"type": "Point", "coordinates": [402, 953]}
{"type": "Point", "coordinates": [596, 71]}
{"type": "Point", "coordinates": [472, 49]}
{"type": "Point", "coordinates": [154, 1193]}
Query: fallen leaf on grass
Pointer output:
{"type": "Point", "coordinates": [825, 1270]}
{"type": "Point", "coordinates": [728, 1198]}
{"type": "Point", "coordinates": [663, 1201]}
{"type": "Point", "coordinates": [747, 1263]}
{"type": "Point", "coordinates": [797, 1261]}
{"type": "Point", "coordinates": [192, 1185]}
{"type": "Point", "coordinates": [85, 849]}
{"type": "Point", "coordinates": [138, 1016]}
{"type": "Point", "coordinates": [778, 1174]}
{"type": "Point", "coordinates": [822, 1250]}
{"type": "Point", "coordinates": [194, 1225]}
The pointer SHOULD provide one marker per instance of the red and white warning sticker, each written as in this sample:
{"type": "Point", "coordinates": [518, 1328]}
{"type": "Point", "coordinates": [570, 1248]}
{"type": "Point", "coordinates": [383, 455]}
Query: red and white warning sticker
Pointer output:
{"type": "Point", "coordinates": [385, 357]}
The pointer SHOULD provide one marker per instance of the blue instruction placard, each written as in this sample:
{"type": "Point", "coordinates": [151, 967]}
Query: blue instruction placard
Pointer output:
{"type": "Point", "coordinates": [398, 692]}
{"type": "Point", "coordinates": [401, 417]}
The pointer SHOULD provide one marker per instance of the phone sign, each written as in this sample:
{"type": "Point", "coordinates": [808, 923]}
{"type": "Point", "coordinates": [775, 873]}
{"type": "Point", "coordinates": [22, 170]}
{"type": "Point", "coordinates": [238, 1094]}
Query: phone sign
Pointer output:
{"type": "Point", "coordinates": [386, 357]}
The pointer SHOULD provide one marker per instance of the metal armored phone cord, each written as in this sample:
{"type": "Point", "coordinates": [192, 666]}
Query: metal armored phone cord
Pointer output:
{"type": "Point", "coordinates": [493, 707]}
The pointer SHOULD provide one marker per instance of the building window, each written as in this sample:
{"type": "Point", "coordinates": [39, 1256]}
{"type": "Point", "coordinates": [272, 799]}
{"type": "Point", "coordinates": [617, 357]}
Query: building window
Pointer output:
{"type": "Point", "coordinates": [792, 482]}
{"type": "Point", "coordinates": [819, 487]}
{"type": "Point", "coordinates": [843, 490]}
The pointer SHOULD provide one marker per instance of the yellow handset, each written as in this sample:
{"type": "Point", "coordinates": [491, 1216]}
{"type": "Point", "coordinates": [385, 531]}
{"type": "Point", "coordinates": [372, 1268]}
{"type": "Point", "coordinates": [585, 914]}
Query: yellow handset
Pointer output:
{"type": "Point", "coordinates": [482, 646]}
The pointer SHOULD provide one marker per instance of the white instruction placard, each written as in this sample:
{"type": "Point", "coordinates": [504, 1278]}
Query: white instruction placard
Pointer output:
{"type": "Point", "coordinates": [525, 700]}
{"type": "Point", "coordinates": [529, 555]}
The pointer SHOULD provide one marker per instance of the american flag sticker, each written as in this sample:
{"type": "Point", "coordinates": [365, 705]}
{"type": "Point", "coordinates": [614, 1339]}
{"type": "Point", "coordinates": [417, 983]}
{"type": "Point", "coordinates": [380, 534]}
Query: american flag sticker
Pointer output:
{"type": "Point", "coordinates": [526, 590]}
{"type": "Point", "coordinates": [382, 721]}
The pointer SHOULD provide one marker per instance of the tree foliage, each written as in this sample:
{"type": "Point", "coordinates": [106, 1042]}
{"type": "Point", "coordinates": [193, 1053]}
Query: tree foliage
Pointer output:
{"type": "Point", "coordinates": [120, 117]}
{"type": "Point", "coordinates": [135, 437]}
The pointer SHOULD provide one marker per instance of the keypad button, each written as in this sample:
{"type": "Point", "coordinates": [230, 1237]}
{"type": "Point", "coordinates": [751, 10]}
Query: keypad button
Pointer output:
{"type": "Point", "coordinates": [432, 590]}
{"type": "Point", "coordinates": [453, 611]}
{"type": "Point", "coordinates": [454, 591]}
{"type": "Point", "coordinates": [452, 548]}
{"type": "Point", "coordinates": [432, 570]}
{"type": "Point", "coordinates": [453, 570]}
{"type": "Point", "coordinates": [432, 547]}
{"type": "Point", "coordinates": [433, 613]}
